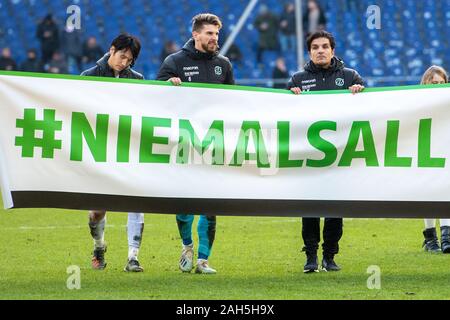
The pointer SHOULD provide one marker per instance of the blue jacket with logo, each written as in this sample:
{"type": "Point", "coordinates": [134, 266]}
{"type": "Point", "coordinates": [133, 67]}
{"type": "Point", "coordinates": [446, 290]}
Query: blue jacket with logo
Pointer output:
{"type": "Point", "coordinates": [191, 65]}
{"type": "Point", "coordinates": [336, 77]}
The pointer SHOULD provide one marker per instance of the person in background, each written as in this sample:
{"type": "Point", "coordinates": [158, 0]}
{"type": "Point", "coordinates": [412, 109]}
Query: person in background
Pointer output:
{"type": "Point", "coordinates": [267, 25]}
{"type": "Point", "coordinates": [58, 64]}
{"type": "Point", "coordinates": [436, 75]}
{"type": "Point", "coordinates": [233, 53]}
{"type": "Point", "coordinates": [71, 45]}
{"type": "Point", "coordinates": [6, 61]}
{"type": "Point", "coordinates": [314, 18]}
{"type": "Point", "coordinates": [280, 74]}
{"type": "Point", "coordinates": [91, 51]}
{"type": "Point", "coordinates": [48, 34]}
{"type": "Point", "coordinates": [32, 64]}
{"type": "Point", "coordinates": [287, 28]}
{"type": "Point", "coordinates": [169, 48]}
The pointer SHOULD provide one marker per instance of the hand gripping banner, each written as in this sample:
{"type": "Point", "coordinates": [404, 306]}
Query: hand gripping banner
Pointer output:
{"type": "Point", "coordinates": [146, 146]}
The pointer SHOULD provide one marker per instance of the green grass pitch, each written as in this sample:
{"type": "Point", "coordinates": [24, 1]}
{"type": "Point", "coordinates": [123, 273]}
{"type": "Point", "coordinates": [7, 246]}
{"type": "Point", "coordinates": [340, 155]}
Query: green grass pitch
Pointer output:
{"type": "Point", "coordinates": [256, 258]}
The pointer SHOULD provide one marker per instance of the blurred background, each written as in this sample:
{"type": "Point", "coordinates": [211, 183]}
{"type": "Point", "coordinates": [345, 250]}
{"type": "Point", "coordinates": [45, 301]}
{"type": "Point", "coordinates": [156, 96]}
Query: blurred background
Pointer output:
{"type": "Point", "coordinates": [411, 35]}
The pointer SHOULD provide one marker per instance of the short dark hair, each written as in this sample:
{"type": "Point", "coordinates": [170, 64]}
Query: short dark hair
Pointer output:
{"type": "Point", "coordinates": [321, 34]}
{"type": "Point", "coordinates": [205, 18]}
{"type": "Point", "coordinates": [124, 42]}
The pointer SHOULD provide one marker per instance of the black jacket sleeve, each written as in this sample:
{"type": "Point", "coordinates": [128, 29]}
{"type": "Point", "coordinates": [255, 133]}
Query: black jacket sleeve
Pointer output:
{"type": "Point", "coordinates": [293, 82]}
{"type": "Point", "coordinates": [168, 70]}
{"type": "Point", "coordinates": [136, 75]}
{"type": "Point", "coordinates": [230, 75]}
{"type": "Point", "coordinates": [92, 72]}
{"type": "Point", "coordinates": [357, 79]}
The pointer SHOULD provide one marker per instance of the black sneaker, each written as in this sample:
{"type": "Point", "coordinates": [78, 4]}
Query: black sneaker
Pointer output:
{"type": "Point", "coordinates": [431, 242]}
{"type": "Point", "coordinates": [98, 258]}
{"type": "Point", "coordinates": [328, 264]}
{"type": "Point", "coordinates": [133, 266]}
{"type": "Point", "coordinates": [431, 246]}
{"type": "Point", "coordinates": [311, 264]}
{"type": "Point", "coordinates": [445, 239]}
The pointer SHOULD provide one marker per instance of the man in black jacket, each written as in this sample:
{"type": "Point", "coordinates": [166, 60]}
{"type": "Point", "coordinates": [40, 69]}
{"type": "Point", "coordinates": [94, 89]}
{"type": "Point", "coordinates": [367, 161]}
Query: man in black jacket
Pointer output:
{"type": "Point", "coordinates": [6, 61]}
{"type": "Point", "coordinates": [32, 64]}
{"type": "Point", "coordinates": [117, 63]}
{"type": "Point", "coordinates": [198, 61]}
{"type": "Point", "coordinates": [48, 34]}
{"type": "Point", "coordinates": [323, 72]}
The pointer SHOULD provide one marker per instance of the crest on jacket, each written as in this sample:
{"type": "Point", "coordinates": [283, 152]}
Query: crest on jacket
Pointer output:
{"type": "Point", "coordinates": [218, 70]}
{"type": "Point", "coordinates": [340, 82]}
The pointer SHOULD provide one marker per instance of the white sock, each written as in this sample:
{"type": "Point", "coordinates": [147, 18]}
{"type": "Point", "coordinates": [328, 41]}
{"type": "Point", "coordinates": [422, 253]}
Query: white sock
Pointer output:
{"type": "Point", "coordinates": [99, 243]}
{"type": "Point", "coordinates": [135, 229]}
{"type": "Point", "coordinates": [445, 222]}
{"type": "Point", "coordinates": [133, 253]}
{"type": "Point", "coordinates": [430, 223]}
{"type": "Point", "coordinates": [98, 233]}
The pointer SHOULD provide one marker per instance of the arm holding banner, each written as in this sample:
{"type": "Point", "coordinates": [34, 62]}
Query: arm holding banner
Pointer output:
{"type": "Point", "coordinates": [292, 85]}
{"type": "Point", "coordinates": [168, 72]}
{"type": "Point", "coordinates": [357, 83]}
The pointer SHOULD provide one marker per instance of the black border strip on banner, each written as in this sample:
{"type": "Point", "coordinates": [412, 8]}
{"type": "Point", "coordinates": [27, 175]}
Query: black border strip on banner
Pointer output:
{"type": "Point", "coordinates": [232, 207]}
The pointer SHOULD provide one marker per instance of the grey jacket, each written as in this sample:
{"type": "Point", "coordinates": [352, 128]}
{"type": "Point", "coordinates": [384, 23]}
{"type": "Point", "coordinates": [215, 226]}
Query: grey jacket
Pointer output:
{"type": "Point", "coordinates": [102, 69]}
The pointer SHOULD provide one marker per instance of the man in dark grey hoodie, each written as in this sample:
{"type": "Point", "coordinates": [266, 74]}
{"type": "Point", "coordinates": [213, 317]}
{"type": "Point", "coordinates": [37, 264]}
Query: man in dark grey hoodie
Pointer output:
{"type": "Point", "coordinates": [117, 63]}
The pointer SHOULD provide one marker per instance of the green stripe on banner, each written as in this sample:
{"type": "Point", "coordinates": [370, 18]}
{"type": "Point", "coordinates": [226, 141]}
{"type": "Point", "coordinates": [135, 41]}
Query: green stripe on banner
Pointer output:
{"type": "Point", "coordinates": [210, 86]}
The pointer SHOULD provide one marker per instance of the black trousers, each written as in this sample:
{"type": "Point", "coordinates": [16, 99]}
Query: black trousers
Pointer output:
{"type": "Point", "coordinates": [332, 233]}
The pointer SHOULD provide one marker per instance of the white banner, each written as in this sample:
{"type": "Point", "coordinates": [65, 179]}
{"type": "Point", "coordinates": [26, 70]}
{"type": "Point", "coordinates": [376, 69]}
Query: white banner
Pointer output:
{"type": "Point", "coordinates": [124, 145]}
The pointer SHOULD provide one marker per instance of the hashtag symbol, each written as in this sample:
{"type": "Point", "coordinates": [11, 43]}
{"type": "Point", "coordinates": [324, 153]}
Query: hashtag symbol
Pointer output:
{"type": "Point", "coordinates": [30, 126]}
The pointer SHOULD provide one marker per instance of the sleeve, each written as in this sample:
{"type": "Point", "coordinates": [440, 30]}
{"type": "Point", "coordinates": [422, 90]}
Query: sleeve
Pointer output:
{"type": "Point", "coordinates": [92, 72]}
{"type": "Point", "coordinates": [292, 83]}
{"type": "Point", "coordinates": [168, 70]}
{"type": "Point", "coordinates": [230, 74]}
{"type": "Point", "coordinates": [357, 79]}
{"type": "Point", "coordinates": [137, 75]}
